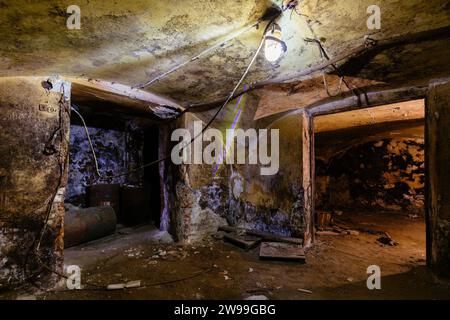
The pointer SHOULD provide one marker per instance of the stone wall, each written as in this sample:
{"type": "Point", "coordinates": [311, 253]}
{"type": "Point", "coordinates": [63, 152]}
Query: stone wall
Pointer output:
{"type": "Point", "coordinates": [117, 150]}
{"type": "Point", "coordinates": [203, 197]}
{"type": "Point", "coordinates": [34, 135]}
{"type": "Point", "coordinates": [386, 174]}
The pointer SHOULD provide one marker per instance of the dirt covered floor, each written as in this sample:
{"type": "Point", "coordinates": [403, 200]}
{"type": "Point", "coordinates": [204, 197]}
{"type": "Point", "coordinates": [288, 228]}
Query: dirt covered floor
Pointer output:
{"type": "Point", "coordinates": [335, 268]}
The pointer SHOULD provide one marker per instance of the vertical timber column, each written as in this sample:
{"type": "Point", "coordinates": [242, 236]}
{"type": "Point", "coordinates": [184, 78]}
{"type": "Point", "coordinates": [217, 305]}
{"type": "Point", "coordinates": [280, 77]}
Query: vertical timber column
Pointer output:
{"type": "Point", "coordinates": [438, 177]}
{"type": "Point", "coordinates": [163, 150]}
{"type": "Point", "coordinates": [308, 176]}
{"type": "Point", "coordinates": [34, 135]}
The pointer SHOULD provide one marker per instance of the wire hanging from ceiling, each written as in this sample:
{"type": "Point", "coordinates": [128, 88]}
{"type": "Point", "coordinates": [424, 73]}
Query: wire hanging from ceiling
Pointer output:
{"type": "Point", "coordinates": [230, 97]}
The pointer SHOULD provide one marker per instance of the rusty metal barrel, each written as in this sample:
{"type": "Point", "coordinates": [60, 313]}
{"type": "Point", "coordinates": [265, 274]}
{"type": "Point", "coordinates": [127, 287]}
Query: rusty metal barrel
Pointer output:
{"type": "Point", "coordinates": [104, 195]}
{"type": "Point", "coordinates": [83, 225]}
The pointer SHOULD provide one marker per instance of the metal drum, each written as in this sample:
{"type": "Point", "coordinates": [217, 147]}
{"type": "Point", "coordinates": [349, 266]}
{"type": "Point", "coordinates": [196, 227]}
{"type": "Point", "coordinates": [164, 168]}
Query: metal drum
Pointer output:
{"type": "Point", "coordinates": [83, 225]}
{"type": "Point", "coordinates": [104, 195]}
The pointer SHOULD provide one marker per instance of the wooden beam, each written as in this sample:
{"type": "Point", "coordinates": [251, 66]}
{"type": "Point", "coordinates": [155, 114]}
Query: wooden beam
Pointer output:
{"type": "Point", "coordinates": [318, 68]}
{"type": "Point", "coordinates": [308, 176]}
{"type": "Point", "coordinates": [395, 112]}
{"type": "Point", "coordinates": [437, 183]}
{"type": "Point", "coordinates": [368, 100]}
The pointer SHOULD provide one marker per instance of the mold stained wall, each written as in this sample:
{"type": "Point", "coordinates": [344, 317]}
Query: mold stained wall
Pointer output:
{"type": "Point", "coordinates": [238, 194]}
{"type": "Point", "coordinates": [385, 174]}
{"type": "Point", "coordinates": [34, 135]}
{"type": "Point", "coordinates": [117, 150]}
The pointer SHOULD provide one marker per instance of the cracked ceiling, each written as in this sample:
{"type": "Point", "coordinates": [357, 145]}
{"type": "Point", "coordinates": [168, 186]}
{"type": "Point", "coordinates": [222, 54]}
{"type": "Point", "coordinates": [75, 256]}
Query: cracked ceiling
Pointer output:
{"type": "Point", "coordinates": [131, 42]}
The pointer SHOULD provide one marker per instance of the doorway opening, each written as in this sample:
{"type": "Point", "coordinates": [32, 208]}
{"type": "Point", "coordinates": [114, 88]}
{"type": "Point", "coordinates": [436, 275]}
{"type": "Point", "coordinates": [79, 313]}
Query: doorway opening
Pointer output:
{"type": "Point", "coordinates": [106, 197]}
{"type": "Point", "coordinates": [370, 181]}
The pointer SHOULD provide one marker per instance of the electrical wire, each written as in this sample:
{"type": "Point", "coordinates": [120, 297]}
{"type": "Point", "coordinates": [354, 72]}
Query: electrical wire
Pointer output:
{"type": "Point", "coordinates": [230, 97]}
{"type": "Point", "coordinates": [198, 56]}
{"type": "Point", "coordinates": [89, 140]}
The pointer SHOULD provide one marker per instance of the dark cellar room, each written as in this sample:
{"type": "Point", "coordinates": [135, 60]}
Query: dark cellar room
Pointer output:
{"type": "Point", "coordinates": [239, 150]}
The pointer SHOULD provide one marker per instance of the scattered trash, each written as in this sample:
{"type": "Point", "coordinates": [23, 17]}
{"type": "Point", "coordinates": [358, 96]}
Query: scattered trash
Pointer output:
{"type": "Point", "coordinates": [305, 291]}
{"type": "Point", "coordinates": [160, 236]}
{"type": "Point", "coordinates": [350, 279]}
{"type": "Point", "coordinates": [128, 285]}
{"type": "Point", "coordinates": [250, 269]}
{"type": "Point", "coordinates": [115, 286]}
{"type": "Point", "coordinates": [258, 297]}
{"type": "Point", "coordinates": [133, 284]}
{"type": "Point", "coordinates": [264, 235]}
{"type": "Point", "coordinates": [387, 240]}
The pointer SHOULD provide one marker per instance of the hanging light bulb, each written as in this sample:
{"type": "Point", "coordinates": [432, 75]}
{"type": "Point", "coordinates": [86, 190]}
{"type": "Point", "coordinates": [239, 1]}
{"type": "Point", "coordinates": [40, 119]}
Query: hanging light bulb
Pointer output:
{"type": "Point", "coordinates": [273, 45]}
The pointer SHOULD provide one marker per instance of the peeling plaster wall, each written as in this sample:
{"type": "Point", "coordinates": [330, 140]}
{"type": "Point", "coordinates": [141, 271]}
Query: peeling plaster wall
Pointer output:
{"type": "Point", "coordinates": [198, 198]}
{"type": "Point", "coordinates": [34, 135]}
{"type": "Point", "coordinates": [272, 203]}
{"type": "Point", "coordinates": [238, 194]}
{"type": "Point", "coordinates": [387, 174]}
{"type": "Point", "coordinates": [117, 151]}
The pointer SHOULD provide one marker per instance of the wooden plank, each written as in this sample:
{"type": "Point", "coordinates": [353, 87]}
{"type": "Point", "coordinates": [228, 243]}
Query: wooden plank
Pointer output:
{"type": "Point", "coordinates": [272, 237]}
{"type": "Point", "coordinates": [308, 176]}
{"type": "Point", "coordinates": [367, 100]}
{"type": "Point", "coordinates": [228, 229]}
{"type": "Point", "coordinates": [244, 241]}
{"type": "Point", "coordinates": [281, 251]}
{"type": "Point", "coordinates": [264, 235]}
{"type": "Point", "coordinates": [437, 177]}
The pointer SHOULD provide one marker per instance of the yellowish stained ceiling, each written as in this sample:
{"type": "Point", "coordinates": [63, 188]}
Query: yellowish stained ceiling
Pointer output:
{"type": "Point", "coordinates": [130, 42]}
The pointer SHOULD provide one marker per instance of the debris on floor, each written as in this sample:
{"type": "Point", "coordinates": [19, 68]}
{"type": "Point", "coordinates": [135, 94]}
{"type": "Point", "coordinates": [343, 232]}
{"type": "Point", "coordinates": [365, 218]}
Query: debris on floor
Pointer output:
{"type": "Point", "coordinates": [258, 297]}
{"type": "Point", "coordinates": [264, 235]}
{"type": "Point", "coordinates": [387, 240]}
{"type": "Point", "coordinates": [276, 247]}
{"type": "Point", "coordinates": [246, 242]}
{"type": "Point", "coordinates": [305, 290]}
{"type": "Point", "coordinates": [282, 251]}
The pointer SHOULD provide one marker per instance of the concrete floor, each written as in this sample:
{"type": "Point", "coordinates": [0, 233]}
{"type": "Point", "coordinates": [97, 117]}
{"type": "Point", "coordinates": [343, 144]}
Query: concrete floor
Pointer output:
{"type": "Point", "coordinates": [335, 269]}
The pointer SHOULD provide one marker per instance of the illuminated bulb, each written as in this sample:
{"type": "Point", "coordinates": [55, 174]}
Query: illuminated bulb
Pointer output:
{"type": "Point", "coordinates": [273, 45]}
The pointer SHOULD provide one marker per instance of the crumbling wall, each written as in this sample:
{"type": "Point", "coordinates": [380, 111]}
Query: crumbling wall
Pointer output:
{"type": "Point", "coordinates": [205, 196]}
{"type": "Point", "coordinates": [117, 150]}
{"type": "Point", "coordinates": [387, 174]}
{"type": "Point", "coordinates": [272, 203]}
{"type": "Point", "coordinates": [34, 135]}
{"type": "Point", "coordinates": [197, 197]}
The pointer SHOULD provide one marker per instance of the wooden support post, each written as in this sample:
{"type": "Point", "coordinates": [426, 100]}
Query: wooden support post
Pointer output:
{"type": "Point", "coordinates": [437, 142]}
{"type": "Point", "coordinates": [308, 176]}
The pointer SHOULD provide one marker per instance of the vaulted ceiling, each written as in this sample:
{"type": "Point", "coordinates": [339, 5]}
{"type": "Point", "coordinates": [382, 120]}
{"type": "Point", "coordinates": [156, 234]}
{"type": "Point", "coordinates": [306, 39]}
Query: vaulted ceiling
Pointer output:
{"type": "Point", "coordinates": [131, 42]}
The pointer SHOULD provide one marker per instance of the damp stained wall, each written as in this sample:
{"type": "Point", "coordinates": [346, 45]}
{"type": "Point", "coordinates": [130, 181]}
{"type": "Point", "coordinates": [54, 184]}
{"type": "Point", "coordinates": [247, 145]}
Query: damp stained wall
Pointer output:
{"type": "Point", "coordinates": [386, 174]}
{"type": "Point", "coordinates": [34, 135]}
{"type": "Point", "coordinates": [237, 194]}
{"type": "Point", "coordinates": [117, 150]}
